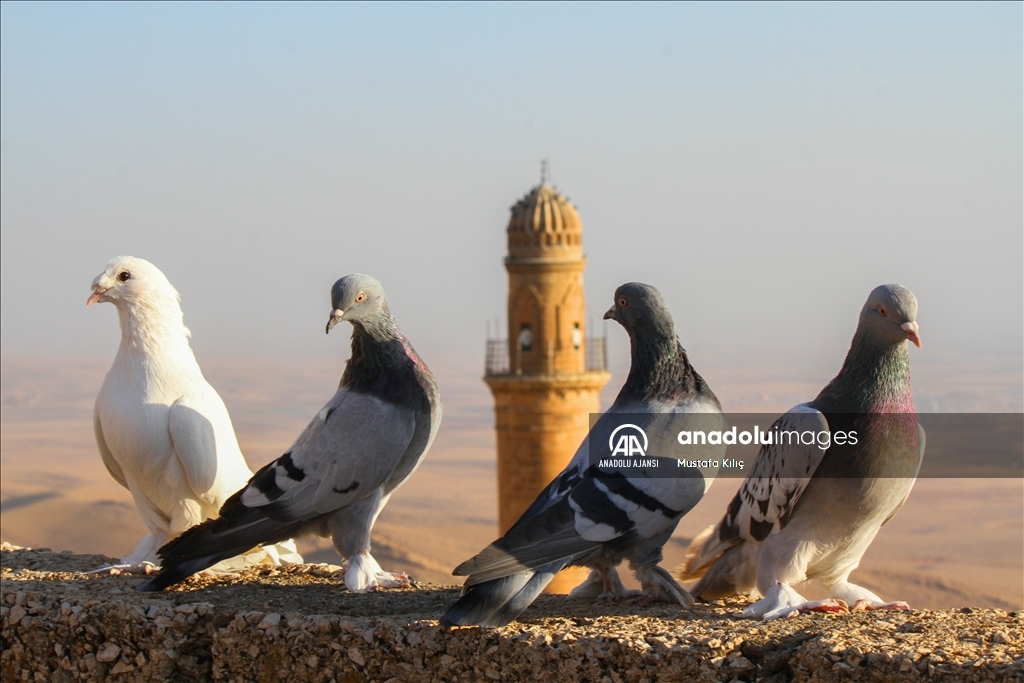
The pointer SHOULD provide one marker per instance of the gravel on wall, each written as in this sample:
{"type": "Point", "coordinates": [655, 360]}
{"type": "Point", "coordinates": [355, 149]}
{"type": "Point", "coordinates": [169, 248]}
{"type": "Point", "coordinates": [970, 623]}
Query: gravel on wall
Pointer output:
{"type": "Point", "coordinates": [298, 623]}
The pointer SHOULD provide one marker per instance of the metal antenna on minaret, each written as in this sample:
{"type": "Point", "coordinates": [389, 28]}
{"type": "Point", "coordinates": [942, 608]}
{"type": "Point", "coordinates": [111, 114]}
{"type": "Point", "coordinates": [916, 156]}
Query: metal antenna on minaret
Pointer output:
{"type": "Point", "coordinates": [544, 171]}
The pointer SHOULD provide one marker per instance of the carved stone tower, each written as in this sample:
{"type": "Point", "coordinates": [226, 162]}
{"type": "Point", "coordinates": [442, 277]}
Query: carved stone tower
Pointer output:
{"type": "Point", "coordinates": [547, 374]}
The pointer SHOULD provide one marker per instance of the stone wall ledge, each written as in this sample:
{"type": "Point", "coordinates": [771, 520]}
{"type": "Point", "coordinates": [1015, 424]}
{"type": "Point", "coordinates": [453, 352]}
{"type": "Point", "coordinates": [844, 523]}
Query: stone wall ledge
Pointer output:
{"type": "Point", "coordinates": [298, 624]}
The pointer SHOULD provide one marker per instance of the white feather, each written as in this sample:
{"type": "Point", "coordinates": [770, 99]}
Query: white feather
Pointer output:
{"type": "Point", "coordinates": [162, 431]}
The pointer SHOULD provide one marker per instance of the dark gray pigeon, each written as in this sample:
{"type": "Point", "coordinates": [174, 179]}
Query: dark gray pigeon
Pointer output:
{"type": "Point", "coordinates": [340, 472]}
{"type": "Point", "coordinates": [808, 513]}
{"type": "Point", "coordinates": [585, 518]}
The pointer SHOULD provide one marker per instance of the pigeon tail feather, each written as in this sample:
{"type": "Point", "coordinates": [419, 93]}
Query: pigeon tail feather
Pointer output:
{"type": "Point", "coordinates": [237, 530]}
{"type": "Point", "coordinates": [703, 550]}
{"type": "Point", "coordinates": [500, 601]}
{"type": "Point", "coordinates": [732, 573]}
{"type": "Point", "coordinates": [494, 563]}
{"type": "Point", "coordinates": [529, 545]}
{"type": "Point", "coordinates": [171, 575]}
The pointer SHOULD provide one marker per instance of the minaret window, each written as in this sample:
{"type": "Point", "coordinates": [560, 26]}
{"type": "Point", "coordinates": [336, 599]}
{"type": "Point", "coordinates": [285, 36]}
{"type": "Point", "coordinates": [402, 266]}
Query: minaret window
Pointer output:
{"type": "Point", "coordinates": [577, 336]}
{"type": "Point", "coordinates": [525, 338]}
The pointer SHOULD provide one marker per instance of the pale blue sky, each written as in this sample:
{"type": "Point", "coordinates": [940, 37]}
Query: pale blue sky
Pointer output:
{"type": "Point", "coordinates": [765, 165]}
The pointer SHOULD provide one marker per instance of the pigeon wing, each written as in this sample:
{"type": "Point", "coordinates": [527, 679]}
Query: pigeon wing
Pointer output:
{"type": "Point", "coordinates": [650, 499]}
{"type": "Point", "coordinates": [347, 451]}
{"type": "Point", "coordinates": [920, 459]}
{"type": "Point", "coordinates": [779, 477]}
{"type": "Point", "coordinates": [585, 507]}
{"type": "Point", "coordinates": [562, 485]}
{"type": "Point", "coordinates": [195, 445]}
{"type": "Point", "coordinates": [597, 510]}
{"type": "Point", "coordinates": [108, 458]}
{"type": "Point", "coordinates": [529, 545]}
{"type": "Point", "coordinates": [548, 531]}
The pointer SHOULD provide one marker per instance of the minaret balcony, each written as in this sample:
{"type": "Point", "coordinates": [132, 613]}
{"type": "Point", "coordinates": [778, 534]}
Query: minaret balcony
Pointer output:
{"type": "Point", "coordinates": [499, 362]}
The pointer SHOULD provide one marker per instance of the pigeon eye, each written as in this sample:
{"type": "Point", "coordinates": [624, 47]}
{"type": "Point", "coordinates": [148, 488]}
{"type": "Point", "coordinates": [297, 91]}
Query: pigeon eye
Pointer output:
{"type": "Point", "coordinates": [881, 310]}
{"type": "Point", "coordinates": [124, 276]}
{"type": "Point", "coordinates": [360, 297]}
{"type": "Point", "coordinates": [622, 302]}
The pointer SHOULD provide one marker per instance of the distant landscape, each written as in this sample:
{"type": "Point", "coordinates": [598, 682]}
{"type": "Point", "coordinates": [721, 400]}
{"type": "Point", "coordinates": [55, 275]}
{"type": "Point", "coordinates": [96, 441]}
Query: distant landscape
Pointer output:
{"type": "Point", "coordinates": [955, 542]}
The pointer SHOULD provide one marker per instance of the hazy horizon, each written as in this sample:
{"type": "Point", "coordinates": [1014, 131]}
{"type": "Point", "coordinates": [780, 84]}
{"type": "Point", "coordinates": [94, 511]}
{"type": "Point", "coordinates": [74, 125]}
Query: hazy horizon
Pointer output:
{"type": "Point", "coordinates": [956, 541]}
{"type": "Point", "coordinates": [764, 165]}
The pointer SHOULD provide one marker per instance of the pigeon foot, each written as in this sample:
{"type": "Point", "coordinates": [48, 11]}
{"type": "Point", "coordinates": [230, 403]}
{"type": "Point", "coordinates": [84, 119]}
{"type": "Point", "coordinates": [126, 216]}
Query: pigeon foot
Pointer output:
{"type": "Point", "coordinates": [828, 605]}
{"type": "Point", "coordinates": [861, 598]}
{"type": "Point", "coordinates": [594, 586]}
{"type": "Point", "coordinates": [139, 568]}
{"type": "Point", "coordinates": [604, 586]}
{"type": "Point", "coordinates": [782, 601]}
{"type": "Point", "coordinates": [389, 580]}
{"type": "Point", "coordinates": [659, 586]}
{"type": "Point", "coordinates": [364, 575]}
{"type": "Point", "coordinates": [866, 605]}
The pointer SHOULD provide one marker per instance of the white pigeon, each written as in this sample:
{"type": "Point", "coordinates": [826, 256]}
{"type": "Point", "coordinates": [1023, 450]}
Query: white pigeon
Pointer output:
{"type": "Point", "coordinates": [163, 432]}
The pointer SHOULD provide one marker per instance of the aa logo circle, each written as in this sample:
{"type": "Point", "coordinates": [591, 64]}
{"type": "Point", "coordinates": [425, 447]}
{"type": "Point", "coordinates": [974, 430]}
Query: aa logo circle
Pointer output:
{"type": "Point", "coordinates": [626, 440]}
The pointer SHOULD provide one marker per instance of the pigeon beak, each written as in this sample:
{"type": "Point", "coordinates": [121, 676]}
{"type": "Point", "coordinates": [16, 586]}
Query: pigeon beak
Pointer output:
{"type": "Point", "coordinates": [336, 315]}
{"type": "Point", "coordinates": [610, 314]}
{"type": "Point", "coordinates": [97, 295]}
{"type": "Point", "coordinates": [910, 329]}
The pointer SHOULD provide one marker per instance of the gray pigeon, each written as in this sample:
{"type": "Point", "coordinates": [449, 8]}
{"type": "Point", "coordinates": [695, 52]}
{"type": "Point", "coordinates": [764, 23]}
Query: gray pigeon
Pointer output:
{"type": "Point", "coordinates": [586, 517]}
{"type": "Point", "coordinates": [810, 513]}
{"type": "Point", "coordinates": [340, 472]}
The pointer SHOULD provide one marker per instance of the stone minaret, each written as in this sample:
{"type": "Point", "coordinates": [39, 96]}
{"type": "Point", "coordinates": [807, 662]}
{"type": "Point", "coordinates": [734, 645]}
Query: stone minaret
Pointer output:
{"type": "Point", "coordinates": [547, 374]}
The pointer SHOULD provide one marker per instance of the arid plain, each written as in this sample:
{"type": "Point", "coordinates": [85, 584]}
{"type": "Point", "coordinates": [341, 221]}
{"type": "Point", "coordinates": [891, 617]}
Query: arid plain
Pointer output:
{"type": "Point", "coordinates": [955, 542]}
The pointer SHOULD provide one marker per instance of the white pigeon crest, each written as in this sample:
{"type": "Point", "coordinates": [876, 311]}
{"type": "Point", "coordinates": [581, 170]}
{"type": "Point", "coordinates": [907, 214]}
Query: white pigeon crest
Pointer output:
{"type": "Point", "coordinates": [163, 432]}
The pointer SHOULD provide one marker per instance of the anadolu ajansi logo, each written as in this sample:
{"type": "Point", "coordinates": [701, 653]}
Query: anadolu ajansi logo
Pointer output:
{"type": "Point", "coordinates": [628, 444]}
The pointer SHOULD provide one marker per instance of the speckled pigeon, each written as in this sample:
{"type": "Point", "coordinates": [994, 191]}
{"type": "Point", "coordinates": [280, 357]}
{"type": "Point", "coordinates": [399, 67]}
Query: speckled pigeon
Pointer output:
{"type": "Point", "coordinates": [805, 513]}
{"type": "Point", "coordinates": [340, 472]}
{"type": "Point", "coordinates": [585, 517]}
{"type": "Point", "coordinates": [163, 432]}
